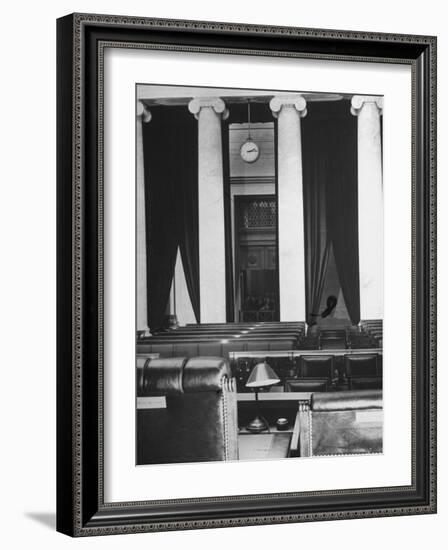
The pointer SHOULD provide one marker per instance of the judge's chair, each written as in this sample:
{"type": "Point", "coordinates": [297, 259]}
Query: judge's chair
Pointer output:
{"type": "Point", "coordinates": [316, 373]}
{"type": "Point", "coordinates": [364, 372]}
{"type": "Point", "coordinates": [191, 413]}
{"type": "Point", "coordinates": [339, 423]}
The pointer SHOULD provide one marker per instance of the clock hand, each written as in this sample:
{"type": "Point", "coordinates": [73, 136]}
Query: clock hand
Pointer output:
{"type": "Point", "coordinates": [251, 150]}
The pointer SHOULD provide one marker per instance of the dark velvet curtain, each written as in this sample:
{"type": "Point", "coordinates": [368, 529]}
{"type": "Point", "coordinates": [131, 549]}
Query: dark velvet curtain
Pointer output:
{"type": "Point", "coordinates": [171, 174]}
{"type": "Point", "coordinates": [317, 243]}
{"type": "Point", "coordinates": [342, 208]}
{"type": "Point", "coordinates": [230, 309]}
{"type": "Point", "coordinates": [329, 150]}
{"type": "Point", "coordinates": [187, 200]}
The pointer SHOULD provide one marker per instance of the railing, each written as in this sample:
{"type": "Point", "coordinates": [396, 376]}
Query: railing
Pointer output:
{"type": "Point", "coordinates": [247, 316]}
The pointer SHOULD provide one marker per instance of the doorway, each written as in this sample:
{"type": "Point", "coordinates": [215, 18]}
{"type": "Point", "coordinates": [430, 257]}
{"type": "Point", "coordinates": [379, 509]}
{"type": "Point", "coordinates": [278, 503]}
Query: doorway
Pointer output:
{"type": "Point", "coordinates": [256, 267]}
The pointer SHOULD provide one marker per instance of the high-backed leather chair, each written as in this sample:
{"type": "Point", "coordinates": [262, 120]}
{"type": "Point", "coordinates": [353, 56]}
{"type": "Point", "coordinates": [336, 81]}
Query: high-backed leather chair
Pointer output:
{"type": "Point", "coordinates": [317, 366]}
{"type": "Point", "coordinates": [193, 414]}
{"type": "Point", "coordinates": [306, 384]}
{"type": "Point", "coordinates": [364, 371]}
{"type": "Point", "coordinates": [338, 423]}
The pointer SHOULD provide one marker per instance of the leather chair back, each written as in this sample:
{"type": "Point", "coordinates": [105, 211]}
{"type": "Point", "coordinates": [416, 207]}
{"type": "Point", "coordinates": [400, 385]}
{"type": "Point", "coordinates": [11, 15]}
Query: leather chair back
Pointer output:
{"type": "Point", "coordinates": [194, 418]}
{"type": "Point", "coordinates": [339, 423]}
{"type": "Point", "coordinates": [362, 365]}
{"type": "Point", "coordinates": [317, 366]}
{"type": "Point", "coordinates": [364, 371]}
{"type": "Point", "coordinates": [306, 384]}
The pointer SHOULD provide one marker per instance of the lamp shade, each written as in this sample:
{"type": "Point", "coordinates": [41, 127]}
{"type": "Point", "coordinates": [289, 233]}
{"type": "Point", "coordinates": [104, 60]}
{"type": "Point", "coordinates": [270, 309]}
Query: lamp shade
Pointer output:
{"type": "Point", "coordinates": [262, 375]}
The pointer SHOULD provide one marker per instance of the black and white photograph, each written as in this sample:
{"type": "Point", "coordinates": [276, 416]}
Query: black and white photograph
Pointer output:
{"type": "Point", "coordinates": [220, 254]}
{"type": "Point", "coordinates": [259, 274]}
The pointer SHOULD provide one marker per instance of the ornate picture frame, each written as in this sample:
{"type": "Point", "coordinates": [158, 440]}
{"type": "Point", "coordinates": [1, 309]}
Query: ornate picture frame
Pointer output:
{"type": "Point", "coordinates": [81, 43]}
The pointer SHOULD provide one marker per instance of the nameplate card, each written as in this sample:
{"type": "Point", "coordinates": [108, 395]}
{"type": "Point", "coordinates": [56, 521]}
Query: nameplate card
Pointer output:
{"type": "Point", "coordinates": [158, 402]}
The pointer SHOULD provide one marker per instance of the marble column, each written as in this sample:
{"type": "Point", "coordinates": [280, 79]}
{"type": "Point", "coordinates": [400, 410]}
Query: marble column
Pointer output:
{"type": "Point", "coordinates": [212, 268]}
{"type": "Point", "coordinates": [143, 116]}
{"type": "Point", "coordinates": [291, 244]}
{"type": "Point", "coordinates": [368, 109]}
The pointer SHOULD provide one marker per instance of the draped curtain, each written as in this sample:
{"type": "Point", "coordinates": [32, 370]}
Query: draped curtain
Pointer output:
{"type": "Point", "coordinates": [317, 243]}
{"type": "Point", "coordinates": [342, 211]}
{"type": "Point", "coordinates": [329, 153]}
{"type": "Point", "coordinates": [170, 146]}
{"type": "Point", "coordinates": [188, 204]}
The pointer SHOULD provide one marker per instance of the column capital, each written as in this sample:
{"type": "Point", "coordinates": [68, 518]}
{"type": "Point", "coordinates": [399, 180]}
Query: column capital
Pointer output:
{"type": "Point", "coordinates": [215, 103]}
{"type": "Point", "coordinates": [358, 102]}
{"type": "Point", "coordinates": [143, 111]}
{"type": "Point", "coordinates": [296, 101]}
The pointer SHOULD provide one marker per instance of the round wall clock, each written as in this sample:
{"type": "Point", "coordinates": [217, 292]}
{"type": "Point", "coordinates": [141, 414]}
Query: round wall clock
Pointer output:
{"type": "Point", "coordinates": [249, 151]}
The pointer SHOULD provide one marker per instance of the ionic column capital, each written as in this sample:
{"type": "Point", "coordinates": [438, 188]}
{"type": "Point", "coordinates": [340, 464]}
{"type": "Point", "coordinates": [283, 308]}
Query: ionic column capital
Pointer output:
{"type": "Point", "coordinates": [358, 102]}
{"type": "Point", "coordinates": [143, 112]}
{"type": "Point", "coordinates": [215, 103]}
{"type": "Point", "coordinates": [296, 101]}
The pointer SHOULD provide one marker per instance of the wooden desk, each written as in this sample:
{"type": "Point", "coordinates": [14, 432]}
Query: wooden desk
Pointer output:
{"type": "Point", "coordinates": [287, 399]}
{"type": "Point", "coordinates": [273, 396]}
{"type": "Point", "coordinates": [264, 446]}
{"type": "Point", "coordinates": [274, 444]}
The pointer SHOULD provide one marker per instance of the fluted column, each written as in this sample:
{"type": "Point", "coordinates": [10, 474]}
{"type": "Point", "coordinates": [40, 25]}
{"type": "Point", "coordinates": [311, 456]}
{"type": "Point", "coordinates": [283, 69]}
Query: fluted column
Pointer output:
{"type": "Point", "coordinates": [291, 244]}
{"type": "Point", "coordinates": [143, 116]}
{"type": "Point", "coordinates": [212, 269]}
{"type": "Point", "coordinates": [368, 109]}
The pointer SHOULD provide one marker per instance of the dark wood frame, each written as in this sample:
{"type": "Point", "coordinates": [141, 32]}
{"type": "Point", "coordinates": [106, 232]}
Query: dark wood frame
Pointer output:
{"type": "Point", "coordinates": [81, 510]}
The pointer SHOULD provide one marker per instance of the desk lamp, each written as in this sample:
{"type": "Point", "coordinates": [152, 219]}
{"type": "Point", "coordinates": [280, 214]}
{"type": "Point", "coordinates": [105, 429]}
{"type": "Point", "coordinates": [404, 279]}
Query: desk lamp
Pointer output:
{"type": "Point", "coordinates": [261, 376]}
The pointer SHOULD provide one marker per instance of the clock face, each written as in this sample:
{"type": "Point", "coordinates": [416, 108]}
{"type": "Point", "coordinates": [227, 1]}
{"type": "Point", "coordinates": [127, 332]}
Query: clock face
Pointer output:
{"type": "Point", "coordinates": [249, 151]}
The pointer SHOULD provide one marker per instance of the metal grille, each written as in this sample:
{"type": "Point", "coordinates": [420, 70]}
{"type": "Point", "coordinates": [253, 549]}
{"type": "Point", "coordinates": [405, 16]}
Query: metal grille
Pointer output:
{"type": "Point", "coordinates": [260, 213]}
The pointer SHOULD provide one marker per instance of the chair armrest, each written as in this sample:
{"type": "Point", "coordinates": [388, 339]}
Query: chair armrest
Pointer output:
{"type": "Point", "coordinates": [294, 446]}
{"type": "Point", "coordinates": [300, 440]}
